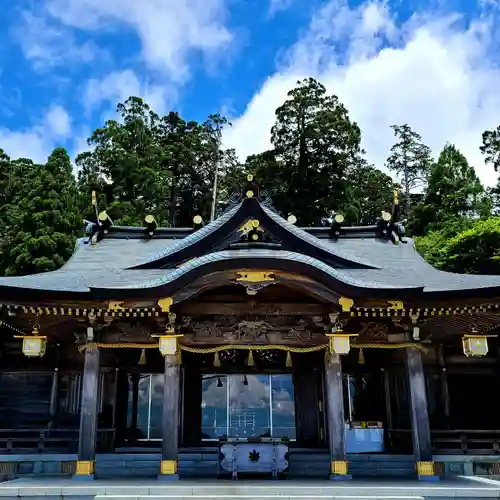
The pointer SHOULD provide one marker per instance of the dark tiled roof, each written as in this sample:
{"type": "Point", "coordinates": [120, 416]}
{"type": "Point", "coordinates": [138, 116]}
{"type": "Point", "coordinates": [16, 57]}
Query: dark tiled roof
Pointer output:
{"type": "Point", "coordinates": [377, 264]}
{"type": "Point", "coordinates": [316, 242]}
{"type": "Point", "coordinates": [105, 266]}
{"type": "Point", "coordinates": [192, 238]}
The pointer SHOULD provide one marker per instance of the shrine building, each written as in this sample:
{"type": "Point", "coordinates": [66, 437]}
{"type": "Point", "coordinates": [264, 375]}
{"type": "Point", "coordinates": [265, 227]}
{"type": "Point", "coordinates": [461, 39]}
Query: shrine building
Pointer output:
{"type": "Point", "coordinates": [249, 346]}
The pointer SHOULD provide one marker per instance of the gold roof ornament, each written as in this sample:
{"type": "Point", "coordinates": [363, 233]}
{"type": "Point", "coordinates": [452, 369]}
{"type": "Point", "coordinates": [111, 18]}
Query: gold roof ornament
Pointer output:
{"type": "Point", "coordinates": [115, 305]}
{"type": "Point", "coordinates": [386, 216]}
{"type": "Point", "coordinates": [151, 224]}
{"type": "Point", "coordinates": [254, 276]}
{"type": "Point", "coordinates": [165, 304]}
{"type": "Point", "coordinates": [346, 303]}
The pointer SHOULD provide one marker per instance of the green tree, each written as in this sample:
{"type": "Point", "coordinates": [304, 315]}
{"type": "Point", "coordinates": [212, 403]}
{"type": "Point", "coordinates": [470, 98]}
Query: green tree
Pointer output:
{"type": "Point", "coordinates": [432, 244]}
{"type": "Point", "coordinates": [410, 159]}
{"type": "Point", "coordinates": [193, 154]}
{"type": "Point", "coordinates": [146, 164]}
{"type": "Point", "coordinates": [490, 147]}
{"type": "Point", "coordinates": [369, 192]}
{"type": "Point", "coordinates": [453, 192]}
{"type": "Point", "coordinates": [45, 217]}
{"type": "Point", "coordinates": [476, 250]}
{"type": "Point", "coordinates": [316, 145]}
{"type": "Point", "coordinates": [6, 189]}
{"type": "Point", "coordinates": [267, 170]}
{"type": "Point", "coordinates": [125, 162]}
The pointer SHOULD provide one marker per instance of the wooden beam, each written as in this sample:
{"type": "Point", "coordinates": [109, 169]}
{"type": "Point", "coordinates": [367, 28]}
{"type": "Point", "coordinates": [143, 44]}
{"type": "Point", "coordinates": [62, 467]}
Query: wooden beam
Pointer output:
{"type": "Point", "coordinates": [252, 307]}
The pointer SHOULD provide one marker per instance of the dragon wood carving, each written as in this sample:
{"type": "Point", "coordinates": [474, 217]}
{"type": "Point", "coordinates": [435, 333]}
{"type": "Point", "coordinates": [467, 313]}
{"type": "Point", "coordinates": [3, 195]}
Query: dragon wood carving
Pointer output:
{"type": "Point", "coordinates": [270, 329]}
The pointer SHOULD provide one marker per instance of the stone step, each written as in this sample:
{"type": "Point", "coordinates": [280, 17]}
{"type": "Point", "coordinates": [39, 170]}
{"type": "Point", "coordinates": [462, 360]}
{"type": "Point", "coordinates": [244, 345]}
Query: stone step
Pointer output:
{"type": "Point", "coordinates": [68, 489]}
{"type": "Point", "coordinates": [267, 497]}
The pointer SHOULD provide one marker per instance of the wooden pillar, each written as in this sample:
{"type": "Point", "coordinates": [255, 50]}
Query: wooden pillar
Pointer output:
{"type": "Point", "coordinates": [54, 394]}
{"type": "Point", "coordinates": [387, 397]}
{"type": "Point", "coordinates": [170, 420]}
{"type": "Point", "coordinates": [445, 394]}
{"type": "Point", "coordinates": [132, 431]}
{"type": "Point", "coordinates": [335, 416]}
{"type": "Point", "coordinates": [85, 466]}
{"type": "Point", "coordinates": [421, 433]}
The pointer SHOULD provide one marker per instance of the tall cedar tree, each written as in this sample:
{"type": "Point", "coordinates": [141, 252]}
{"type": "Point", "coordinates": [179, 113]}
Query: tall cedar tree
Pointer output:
{"type": "Point", "coordinates": [410, 159]}
{"type": "Point", "coordinates": [316, 144]}
{"type": "Point", "coordinates": [490, 148]}
{"type": "Point", "coordinates": [45, 219]}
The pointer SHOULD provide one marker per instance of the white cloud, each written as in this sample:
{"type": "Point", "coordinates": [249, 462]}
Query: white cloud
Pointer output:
{"type": "Point", "coordinates": [276, 6]}
{"type": "Point", "coordinates": [434, 72]}
{"type": "Point", "coordinates": [25, 144]}
{"type": "Point", "coordinates": [38, 141]}
{"type": "Point", "coordinates": [119, 85]}
{"type": "Point", "coordinates": [48, 45]}
{"type": "Point", "coordinates": [169, 30]}
{"type": "Point", "coordinates": [58, 122]}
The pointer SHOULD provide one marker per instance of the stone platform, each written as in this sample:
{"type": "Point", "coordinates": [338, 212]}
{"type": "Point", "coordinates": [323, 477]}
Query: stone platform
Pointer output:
{"type": "Point", "coordinates": [58, 489]}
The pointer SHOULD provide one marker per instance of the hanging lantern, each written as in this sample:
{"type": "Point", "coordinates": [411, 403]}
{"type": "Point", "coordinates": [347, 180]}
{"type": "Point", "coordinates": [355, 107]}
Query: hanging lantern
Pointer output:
{"type": "Point", "coordinates": [339, 342]}
{"type": "Point", "coordinates": [35, 344]}
{"type": "Point", "coordinates": [475, 345]}
{"type": "Point", "coordinates": [168, 344]}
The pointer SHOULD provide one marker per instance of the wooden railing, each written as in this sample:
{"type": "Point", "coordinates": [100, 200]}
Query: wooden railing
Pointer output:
{"type": "Point", "coordinates": [50, 440]}
{"type": "Point", "coordinates": [467, 442]}
{"type": "Point", "coordinates": [446, 442]}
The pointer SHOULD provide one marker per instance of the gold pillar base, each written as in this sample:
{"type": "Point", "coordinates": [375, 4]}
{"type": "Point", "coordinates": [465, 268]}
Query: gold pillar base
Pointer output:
{"type": "Point", "coordinates": [168, 467]}
{"type": "Point", "coordinates": [425, 468]}
{"type": "Point", "coordinates": [338, 467]}
{"type": "Point", "coordinates": [85, 467]}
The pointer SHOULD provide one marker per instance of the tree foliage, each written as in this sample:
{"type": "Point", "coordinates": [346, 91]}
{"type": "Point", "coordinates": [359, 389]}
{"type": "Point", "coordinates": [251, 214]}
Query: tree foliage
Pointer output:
{"type": "Point", "coordinates": [150, 164]}
{"type": "Point", "coordinates": [490, 147]}
{"type": "Point", "coordinates": [368, 192]}
{"type": "Point", "coordinates": [44, 218]}
{"type": "Point", "coordinates": [475, 250]}
{"type": "Point", "coordinates": [453, 192]}
{"type": "Point", "coordinates": [410, 159]}
{"type": "Point", "coordinates": [316, 145]}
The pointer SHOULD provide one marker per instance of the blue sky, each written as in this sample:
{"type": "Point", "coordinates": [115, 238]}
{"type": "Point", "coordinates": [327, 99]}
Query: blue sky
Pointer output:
{"type": "Point", "coordinates": [64, 64]}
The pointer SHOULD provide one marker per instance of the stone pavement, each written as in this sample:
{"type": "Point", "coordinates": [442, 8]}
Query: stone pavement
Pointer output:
{"type": "Point", "coordinates": [58, 489]}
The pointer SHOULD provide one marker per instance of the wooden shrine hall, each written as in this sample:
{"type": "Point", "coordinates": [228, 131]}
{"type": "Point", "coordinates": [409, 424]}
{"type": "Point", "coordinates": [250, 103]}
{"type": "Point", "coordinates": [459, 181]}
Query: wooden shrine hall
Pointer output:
{"type": "Point", "coordinates": [249, 346]}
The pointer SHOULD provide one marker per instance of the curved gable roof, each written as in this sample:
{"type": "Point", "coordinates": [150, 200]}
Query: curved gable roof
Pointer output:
{"type": "Point", "coordinates": [214, 236]}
